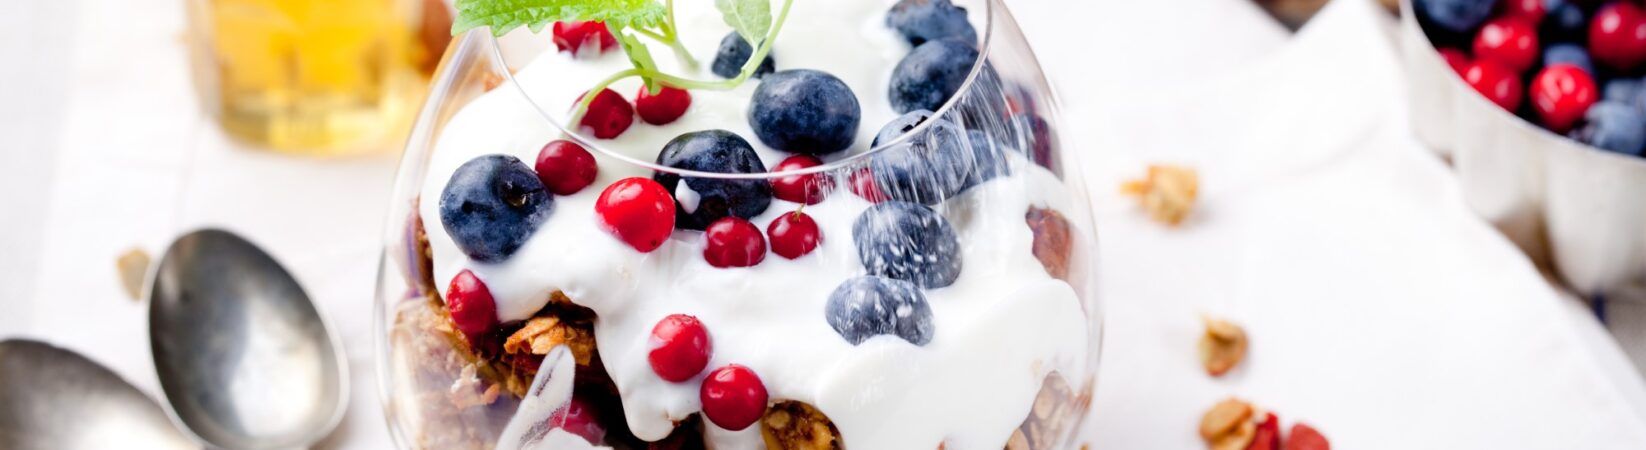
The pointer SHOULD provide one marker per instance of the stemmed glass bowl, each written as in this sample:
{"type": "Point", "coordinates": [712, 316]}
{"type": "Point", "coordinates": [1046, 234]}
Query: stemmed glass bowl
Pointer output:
{"type": "Point", "coordinates": [1003, 349]}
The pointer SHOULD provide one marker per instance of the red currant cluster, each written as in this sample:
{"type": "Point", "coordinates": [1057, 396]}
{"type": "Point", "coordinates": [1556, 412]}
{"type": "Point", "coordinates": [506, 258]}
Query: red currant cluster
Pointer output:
{"type": "Point", "coordinates": [609, 114]}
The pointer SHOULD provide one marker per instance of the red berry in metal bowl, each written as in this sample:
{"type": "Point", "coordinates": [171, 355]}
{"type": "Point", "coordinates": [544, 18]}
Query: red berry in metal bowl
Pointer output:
{"type": "Point", "coordinates": [638, 211]}
{"type": "Point", "coordinates": [608, 115]}
{"type": "Point", "coordinates": [565, 167]}
{"type": "Point", "coordinates": [1509, 41]}
{"type": "Point", "coordinates": [1617, 36]}
{"type": "Point", "coordinates": [1456, 59]}
{"type": "Point", "coordinates": [1529, 10]}
{"type": "Point", "coordinates": [1561, 93]}
{"type": "Point", "coordinates": [680, 348]}
{"type": "Point", "coordinates": [733, 397]}
{"type": "Point", "coordinates": [1498, 83]}
{"type": "Point", "coordinates": [733, 242]}
{"type": "Point", "coordinates": [471, 305]}
{"type": "Point", "coordinates": [664, 107]}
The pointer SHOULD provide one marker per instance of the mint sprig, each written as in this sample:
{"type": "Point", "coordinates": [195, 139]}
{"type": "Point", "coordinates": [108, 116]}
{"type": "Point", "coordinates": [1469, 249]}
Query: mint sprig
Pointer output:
{"type": "Point", "coordinates": [504, 16]}
{"type": "Point", "coordinates": [628, 20]}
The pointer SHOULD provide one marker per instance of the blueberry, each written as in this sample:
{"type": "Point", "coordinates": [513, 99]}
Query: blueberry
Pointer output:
{"type": "Point", "coordinates": [804, 111]}
{"type": "Point", "coordinates": [1569, 54]}
{"type": "Point", "coordinates": [1458, 16]}
{"type": "Point", "coordinates": [1613, 126]}
{"type": "Point", "coordinates": [931, 74]}
{"type": "Point", "coordinates": [491, 205]}
{"type": "Point", "coordinates": [988, 158]}
{"type": "Point", "coordinates": [865, 307]}
{"type": "Point", "coordinates": [1621, 90]}
{"type": "Point", "coordinates": [733, 53]}
{"type": "Point", "coordinates": [929, 20]}
{"type": "Point", "coordinates": [712, 199]}
{"type": "Point", "coordinates": [928, 167]}
{"type": "Point", "coordinates": [1564, 22]}
{"type": "Point", "coordinates": [907, 241]}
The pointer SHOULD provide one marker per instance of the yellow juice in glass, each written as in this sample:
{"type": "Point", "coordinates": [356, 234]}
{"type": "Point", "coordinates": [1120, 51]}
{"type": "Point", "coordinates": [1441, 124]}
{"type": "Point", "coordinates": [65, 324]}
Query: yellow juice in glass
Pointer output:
{"type": "Point", "coordinates": [312, 76]}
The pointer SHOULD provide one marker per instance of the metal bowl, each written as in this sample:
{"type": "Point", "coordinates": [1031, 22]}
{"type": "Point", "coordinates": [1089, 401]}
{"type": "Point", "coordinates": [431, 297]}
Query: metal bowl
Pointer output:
{"type": "Point", "coordinates": [1573, 208]}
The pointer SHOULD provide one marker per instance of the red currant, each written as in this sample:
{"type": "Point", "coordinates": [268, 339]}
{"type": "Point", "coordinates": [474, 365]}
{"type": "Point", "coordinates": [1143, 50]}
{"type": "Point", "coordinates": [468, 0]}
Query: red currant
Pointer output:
{"type": "Point", "coordinates": [573, 36]}
{"type": "Point", "coordinates": [565, 167]}
{"type": "Point", "coordinates": [667, 105]}
{"type": "Point", "coordinates": [794, 235]}
{"type": "Point", "coordinates": [1267, 436]}
{"type": "Point", "coordinates": [1561, 93]}
{"type": "Point", "coordinates": [638, 211]}
{"type": "Point", "coordinates": [471, 305]}
{"type": "Point", "coordinates": [864, 186]}
{"type": "Point", "coordinates": [1455, 58]}
{"type": "Point", "coordinates": [1304, 437]}
{"type": "Point", "coordinates": [1617, 36]}
{"type": "Point", "coordinates": [810, 188]}
{"type": "Point", "coordinates": [578, 417]}
{"type": "Point", "coordinates": [1509, 41]}
{"type": "Point", "coordinates": [1497, 83]}
{"type": "Point", "coordinates": [733, 397]}
{"type": "Point", "coordinates": [733, 242]}
{"type": "Point", "coordinates": [1529, 10]}
{"type": "Point", "coordinates": [681, 348]}
{"type": "Point", "coordinates": [608, 115]}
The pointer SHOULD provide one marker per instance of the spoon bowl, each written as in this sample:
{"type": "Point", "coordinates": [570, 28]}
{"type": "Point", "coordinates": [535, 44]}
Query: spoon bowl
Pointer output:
{"type": "Point", "coordinates": [243, 357]}
{"type": "Point", "coordinates": [53, 398]}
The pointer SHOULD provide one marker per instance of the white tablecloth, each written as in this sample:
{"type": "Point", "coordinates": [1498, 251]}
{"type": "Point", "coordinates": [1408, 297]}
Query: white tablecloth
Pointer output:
{"type": "Point", "coordinates": [1380, 309]}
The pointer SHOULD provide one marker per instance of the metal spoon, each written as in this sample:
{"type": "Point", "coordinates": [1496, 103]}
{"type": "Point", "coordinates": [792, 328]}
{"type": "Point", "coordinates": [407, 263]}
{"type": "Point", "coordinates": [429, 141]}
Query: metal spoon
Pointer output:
{"type": "Point", "coordinates": [242, 355]}
{"type": "Point", "coordinates": [51, 398]}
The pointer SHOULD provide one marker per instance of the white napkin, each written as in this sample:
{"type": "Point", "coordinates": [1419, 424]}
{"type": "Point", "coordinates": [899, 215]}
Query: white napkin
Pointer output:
{"type": "Point", "coordinates": [1380, 310]}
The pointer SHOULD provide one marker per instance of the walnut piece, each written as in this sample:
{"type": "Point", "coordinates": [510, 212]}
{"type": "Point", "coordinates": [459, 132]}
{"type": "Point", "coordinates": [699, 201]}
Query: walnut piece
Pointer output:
{"type": "Point", "coordinates": [1225, 418]}
{"type": "Point", "coordinates": [1053, 243]}
{"type": "Point", "coordinates": [542, 333]}
{"type": "Point", "coordinates": [793, 425]}
{"type": "Point", "coordinates": [133, 266]}
{"type": "Point", "coordinates": [1167, 193]}
{"type": "Point", "coordinates": [1222, 346]}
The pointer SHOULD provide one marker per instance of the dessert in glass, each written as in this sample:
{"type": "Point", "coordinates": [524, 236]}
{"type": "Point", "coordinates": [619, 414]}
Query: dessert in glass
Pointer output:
{"type": "Point", "coordinates": [852, 228]}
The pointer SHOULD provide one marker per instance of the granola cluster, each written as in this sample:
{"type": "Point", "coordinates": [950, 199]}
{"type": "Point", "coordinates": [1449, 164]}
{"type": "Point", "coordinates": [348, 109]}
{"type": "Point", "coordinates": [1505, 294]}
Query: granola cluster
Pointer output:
{"type": "Point", "coordinates": [792, 425]}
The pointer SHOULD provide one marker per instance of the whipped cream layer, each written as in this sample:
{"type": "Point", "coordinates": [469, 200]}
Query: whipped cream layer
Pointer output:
{"type": "Point", "coordinates": [1000, 328]}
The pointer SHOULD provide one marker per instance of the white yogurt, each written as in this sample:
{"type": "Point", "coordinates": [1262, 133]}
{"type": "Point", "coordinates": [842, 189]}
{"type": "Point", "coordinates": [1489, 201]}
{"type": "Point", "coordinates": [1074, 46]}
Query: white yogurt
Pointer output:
{"type": "Point", "coordinates": [1000, 328]}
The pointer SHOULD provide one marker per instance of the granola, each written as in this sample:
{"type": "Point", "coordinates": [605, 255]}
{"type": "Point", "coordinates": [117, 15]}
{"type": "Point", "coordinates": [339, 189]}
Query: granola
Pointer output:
{"type": "Point", "coordinates": [1222, 346]}
{"type": "Point", "coordinates": [1167, 193]}
{"type": "Point", "coordinates": [792, 425]}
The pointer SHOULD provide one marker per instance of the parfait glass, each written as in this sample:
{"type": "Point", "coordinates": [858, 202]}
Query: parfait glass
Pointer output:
{"type": "Point", "coordinates": [1006, 350]}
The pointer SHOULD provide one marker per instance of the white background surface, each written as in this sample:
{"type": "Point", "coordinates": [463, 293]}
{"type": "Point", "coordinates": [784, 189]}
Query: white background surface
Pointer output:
{"type": "Point", "coordinates": [1380, 310]}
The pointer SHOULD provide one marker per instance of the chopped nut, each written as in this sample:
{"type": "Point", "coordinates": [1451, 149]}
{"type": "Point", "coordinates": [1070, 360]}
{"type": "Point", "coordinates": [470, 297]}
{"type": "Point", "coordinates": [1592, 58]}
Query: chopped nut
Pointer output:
{"type": "Point", "coordinates": [1018, 441]}
{"type": "Point", "coordinates": [1225, 418]}
{"type": "Point", "coordinates": [793, 425]}
{"type": "Point", "coordinates": [1167, 193]}
{"type": "Point", "coordinates": [133, 266]}
{"type": "Point", "coordinates": [542, 333]}
{"type": "Point", "coordinates": [1222, 346]}
{"type": "Point", "coordinates": [1052, 414]}
{"type": "Point", "coordinates": [1053, 242]}
{"type": "Point", "coordinates": [1236, 439]}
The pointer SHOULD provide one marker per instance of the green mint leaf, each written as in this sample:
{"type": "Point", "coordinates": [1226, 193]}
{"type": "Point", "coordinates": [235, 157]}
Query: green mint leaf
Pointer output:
{"type": "Point", "coordinates": [751, 18]}
{"type": "Point", "coordinates": [506, 15]}
{"type": "Point", "coordinates": [641, 57]}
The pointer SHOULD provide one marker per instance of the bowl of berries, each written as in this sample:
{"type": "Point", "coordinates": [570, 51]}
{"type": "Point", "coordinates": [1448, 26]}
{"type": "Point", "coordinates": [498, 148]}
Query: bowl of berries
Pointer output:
{"type": "Point", "coordinates": [1539, 104]}
{"type": "Point", "coordinates": [735, 224]}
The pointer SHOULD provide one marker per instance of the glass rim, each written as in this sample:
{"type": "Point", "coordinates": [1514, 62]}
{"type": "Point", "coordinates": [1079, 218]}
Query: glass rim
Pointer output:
{"type": "Point", "coordinates": [852, 160]}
